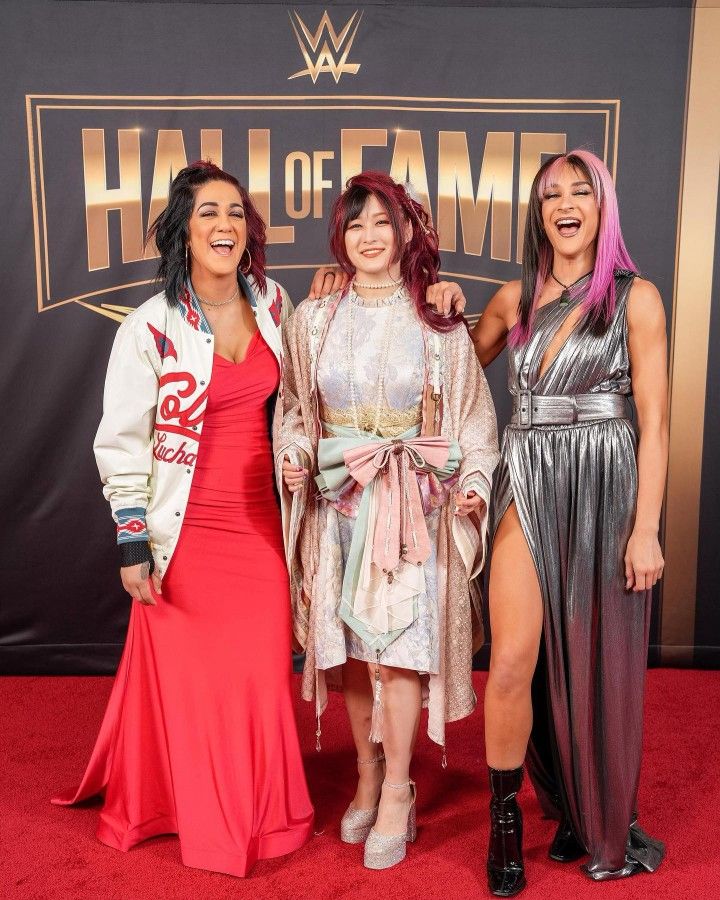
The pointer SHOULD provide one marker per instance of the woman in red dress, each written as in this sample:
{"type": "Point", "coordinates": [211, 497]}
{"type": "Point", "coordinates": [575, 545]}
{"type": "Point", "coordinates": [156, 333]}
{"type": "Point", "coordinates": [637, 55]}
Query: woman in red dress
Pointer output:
{"type": "Point", "coordinates": [199, 735]}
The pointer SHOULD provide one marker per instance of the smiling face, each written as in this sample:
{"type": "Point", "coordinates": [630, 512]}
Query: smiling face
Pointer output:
{"type": "Point", "coordinates": [370, 243]}
{"type": "Point", "coordinates": [570, 213]}
{"type": "Point", "coordinates": [217, 230]}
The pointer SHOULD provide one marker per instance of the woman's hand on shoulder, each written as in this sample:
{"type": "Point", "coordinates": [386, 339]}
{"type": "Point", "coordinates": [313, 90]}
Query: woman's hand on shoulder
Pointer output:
{"type": "Point", "coordinates": [446, 297]}
{"type": "Point", "coordinates": [137, 580]}
{"type": "Point", "coordinates": [327, 280]}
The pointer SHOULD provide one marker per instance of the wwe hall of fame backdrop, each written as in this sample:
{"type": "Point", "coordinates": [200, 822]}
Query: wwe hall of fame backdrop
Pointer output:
{"type": "Point", "coordinates": [103, 102]}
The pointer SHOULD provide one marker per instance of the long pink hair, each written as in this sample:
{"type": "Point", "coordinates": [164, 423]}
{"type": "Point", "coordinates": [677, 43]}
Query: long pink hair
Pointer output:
{"type": "Point", "coordinates": [419, 257]}
{"type": "Point", "coordinates": [610, 251]}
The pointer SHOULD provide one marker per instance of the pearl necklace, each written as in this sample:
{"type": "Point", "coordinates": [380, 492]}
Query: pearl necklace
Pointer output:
{"type": "Point", "coordinates": [376, 287]}
{"type": "Point", "coordinates": [221, 302]}
{"type": "Point", "coordinates": [384, 359]}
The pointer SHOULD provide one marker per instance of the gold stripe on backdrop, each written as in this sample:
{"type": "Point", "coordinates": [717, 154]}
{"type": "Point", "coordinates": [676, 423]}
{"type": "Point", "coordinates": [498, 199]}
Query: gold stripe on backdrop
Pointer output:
{"type": "Point", "coordinates": [690, 334]}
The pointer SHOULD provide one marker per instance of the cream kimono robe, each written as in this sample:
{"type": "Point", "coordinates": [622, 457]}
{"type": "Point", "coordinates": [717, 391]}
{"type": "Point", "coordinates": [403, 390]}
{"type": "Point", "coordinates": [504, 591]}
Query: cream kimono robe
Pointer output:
{"type": "Point", "coordinates": [465, 413]}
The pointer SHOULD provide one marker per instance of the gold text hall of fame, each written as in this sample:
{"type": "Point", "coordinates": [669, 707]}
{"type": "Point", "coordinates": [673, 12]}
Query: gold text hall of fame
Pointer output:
{"type": "Point", "coordinates": [100, 167]}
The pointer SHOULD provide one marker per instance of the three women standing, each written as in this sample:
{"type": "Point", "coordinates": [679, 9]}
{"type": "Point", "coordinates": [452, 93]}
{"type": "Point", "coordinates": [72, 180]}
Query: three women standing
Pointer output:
{"type": "Point", "coordinates": [388, 403]}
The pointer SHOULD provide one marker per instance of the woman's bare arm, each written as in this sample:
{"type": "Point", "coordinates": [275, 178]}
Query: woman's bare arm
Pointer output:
{"type": "Point", "coordinates": [489, 334]}
{"type": "Point", "coordinates": [648, 365]}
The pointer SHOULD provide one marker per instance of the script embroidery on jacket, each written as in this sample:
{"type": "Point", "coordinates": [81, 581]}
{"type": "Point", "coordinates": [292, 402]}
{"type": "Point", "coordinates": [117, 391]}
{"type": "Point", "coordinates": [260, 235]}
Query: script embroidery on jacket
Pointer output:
{"type": "Point", "coordinates": [171, 405]}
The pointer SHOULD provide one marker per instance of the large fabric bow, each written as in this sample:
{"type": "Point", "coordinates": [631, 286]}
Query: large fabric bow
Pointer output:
{"type": "Point", "coordinates": [400, 530]}
{"type": "Point", "coordinates": [383, 571]}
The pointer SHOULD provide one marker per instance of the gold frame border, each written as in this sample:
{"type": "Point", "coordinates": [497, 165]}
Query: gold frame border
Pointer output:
{"type": "Point", "coordinates": [692, 302]}
{"type": "Point", "coordinates": [34, 103]}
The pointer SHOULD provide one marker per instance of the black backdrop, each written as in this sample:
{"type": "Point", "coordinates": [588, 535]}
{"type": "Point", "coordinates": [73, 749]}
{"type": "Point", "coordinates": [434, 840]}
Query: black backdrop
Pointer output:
{"type": "Point", "coordinates": [493, 78]}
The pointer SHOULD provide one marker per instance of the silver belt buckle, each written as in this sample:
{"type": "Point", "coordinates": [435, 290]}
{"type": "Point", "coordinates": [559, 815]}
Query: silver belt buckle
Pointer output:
{"type": "Point", "coordinates": [524, 409]}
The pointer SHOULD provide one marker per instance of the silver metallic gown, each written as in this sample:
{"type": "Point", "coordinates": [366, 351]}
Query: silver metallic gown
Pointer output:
{"type": "Point", "coordinates": [575, 489]}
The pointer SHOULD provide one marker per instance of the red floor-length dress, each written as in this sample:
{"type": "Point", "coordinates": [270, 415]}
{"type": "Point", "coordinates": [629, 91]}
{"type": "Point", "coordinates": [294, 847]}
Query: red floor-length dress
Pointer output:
{"type": "Point", "coordinates": [199, 736]}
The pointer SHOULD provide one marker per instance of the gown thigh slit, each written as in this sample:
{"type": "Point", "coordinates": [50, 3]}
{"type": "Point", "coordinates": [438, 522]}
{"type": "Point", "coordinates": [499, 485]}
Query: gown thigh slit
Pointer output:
{"type": "Point", "coordinates": [199, 735]}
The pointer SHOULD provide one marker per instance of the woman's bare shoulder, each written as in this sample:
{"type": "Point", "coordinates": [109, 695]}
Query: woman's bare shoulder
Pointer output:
{"type": "Point", "coordinates": [645, 303]}
{"type": "Point", "coordinates": [504, 302]}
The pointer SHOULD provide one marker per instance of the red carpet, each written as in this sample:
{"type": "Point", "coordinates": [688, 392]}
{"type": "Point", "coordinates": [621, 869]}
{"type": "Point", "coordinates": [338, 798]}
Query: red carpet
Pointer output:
{"type": "Point", "coordinates": [46, 852]}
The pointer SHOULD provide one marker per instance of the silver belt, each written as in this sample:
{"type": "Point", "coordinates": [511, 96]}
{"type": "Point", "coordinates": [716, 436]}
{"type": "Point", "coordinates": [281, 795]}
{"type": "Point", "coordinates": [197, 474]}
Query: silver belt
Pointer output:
{"type": "Point", "coordinates": [566, 409]}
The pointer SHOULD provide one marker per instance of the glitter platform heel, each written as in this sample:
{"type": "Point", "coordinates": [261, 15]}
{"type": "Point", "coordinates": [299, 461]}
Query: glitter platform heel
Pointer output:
{"type": "Point", "coordinates": [384, 851]}
{"type": "Point", "coordinates": [356, 824]}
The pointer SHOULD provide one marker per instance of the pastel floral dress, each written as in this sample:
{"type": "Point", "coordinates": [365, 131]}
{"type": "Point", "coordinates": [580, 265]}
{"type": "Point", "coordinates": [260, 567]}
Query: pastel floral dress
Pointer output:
{"type": "Point", "coordinates": [379, 326]}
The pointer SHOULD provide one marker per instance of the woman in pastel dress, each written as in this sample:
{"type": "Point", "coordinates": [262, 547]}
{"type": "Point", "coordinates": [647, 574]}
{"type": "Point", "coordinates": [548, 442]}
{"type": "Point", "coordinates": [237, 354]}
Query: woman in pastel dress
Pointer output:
{"type": "Point", "coordinates": [387, 446]}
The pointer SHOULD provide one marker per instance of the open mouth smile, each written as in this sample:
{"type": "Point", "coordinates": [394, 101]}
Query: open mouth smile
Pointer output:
{"type": "Point", "coordinates": [223, 246]}
{"type": "Point", "coordinates": [568, 226]}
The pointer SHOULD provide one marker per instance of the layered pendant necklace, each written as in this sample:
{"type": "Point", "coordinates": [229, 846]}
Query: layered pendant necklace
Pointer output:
{"type": "Point", "coordinates": [384, 359]}
{"type": "Point", "coordinates": [565, 296]}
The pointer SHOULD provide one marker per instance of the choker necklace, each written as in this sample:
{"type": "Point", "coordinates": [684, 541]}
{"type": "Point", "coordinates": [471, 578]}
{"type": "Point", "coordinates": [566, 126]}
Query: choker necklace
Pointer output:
{"type": "Point", "coordinates": [376, 302]}
{"type": "Point", "coordinates": [221, 302]}
{"type": "Point", "coordinates": [565, 296]}
{"type": "Point", "coordinates": [376, 287]}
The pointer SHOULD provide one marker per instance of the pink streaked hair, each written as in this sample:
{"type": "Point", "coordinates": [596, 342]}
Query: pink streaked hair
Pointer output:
{"type": "Point", "coordinates": [610, 252]}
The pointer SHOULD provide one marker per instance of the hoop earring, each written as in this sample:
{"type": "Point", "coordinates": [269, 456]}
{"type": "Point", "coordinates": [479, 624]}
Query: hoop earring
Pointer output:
{"type": "Point", "coordinates": [186, 260]}
{"type": "Point", "coordinates": [245, 271]}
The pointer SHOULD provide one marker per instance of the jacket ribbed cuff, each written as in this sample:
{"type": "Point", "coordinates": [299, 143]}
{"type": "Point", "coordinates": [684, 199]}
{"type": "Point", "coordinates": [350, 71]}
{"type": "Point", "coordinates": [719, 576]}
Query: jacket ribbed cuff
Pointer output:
{"type": "Point", "coordinates": [132, 553]}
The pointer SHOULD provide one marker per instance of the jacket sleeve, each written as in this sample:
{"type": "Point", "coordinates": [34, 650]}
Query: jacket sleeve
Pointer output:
{"type": "Point", "coordinates": [124, 441]}
{"type": "Point", "coordinates": [290, 439]}
{"type": "Point", "coordinates": [286, 308]}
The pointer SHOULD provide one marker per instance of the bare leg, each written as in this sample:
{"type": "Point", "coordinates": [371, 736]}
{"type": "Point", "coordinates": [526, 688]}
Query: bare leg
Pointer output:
{"type": "Point", "coordinates": [403, 702]}
{"type": "Point", "coordinates": [357, 689]}
{"type": "Point", "coordinates": [516, 616]}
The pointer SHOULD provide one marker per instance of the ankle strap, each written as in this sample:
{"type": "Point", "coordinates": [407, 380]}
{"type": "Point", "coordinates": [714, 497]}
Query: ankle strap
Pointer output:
{"type": "Point", "coordinates": [370, 762]}
{"type": "Point", "coordinates": [399, 787]}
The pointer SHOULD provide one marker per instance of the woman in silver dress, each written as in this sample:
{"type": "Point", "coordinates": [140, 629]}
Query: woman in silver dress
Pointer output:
{"type": "Point", "coordinates": [576, 509]}
{"type": "Point", "coordinates": [385, 402]}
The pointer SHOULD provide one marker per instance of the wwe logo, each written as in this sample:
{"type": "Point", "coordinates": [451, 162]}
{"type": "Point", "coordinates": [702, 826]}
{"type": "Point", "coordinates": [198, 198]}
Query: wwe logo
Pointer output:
{"type": "Point", "coordinates": [324, 59]}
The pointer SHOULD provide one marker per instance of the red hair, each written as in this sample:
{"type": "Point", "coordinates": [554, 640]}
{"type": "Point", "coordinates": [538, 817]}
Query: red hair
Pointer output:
{"type": "Point", "coordinates": [419, 257]}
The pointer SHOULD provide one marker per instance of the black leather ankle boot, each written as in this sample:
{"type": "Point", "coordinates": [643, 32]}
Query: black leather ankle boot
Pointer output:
{"type": "Point", "coordinates": [565, 846]}
{"type": "Point", "coordinates": [506, 873]}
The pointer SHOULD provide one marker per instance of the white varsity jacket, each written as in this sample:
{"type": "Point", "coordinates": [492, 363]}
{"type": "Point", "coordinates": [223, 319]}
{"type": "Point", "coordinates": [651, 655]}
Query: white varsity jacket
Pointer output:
{"type": "Point", "coordinates": [153, 407]}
